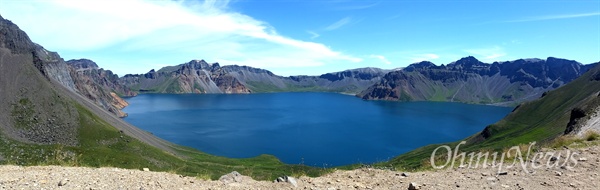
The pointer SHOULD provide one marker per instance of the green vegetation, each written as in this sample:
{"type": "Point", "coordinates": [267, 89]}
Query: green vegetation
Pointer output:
{"type": "Point", "coordinates": [257, 86]}
{"type": "Point", "coordinates": [102, 145]}
{"type": "Point", "coordinates": [198, 87]}
{"type": "Point", "coordinates": [404, 96]}
{"type": "Point", "coordinates": [173, 87]}
{"type": "Point", "coordinates": [591, 136]}
{"type": "Point", "coordinates": [260, 87]}
{"type": "Point", "coordinates": [541, 121]}
{"type": "Point", "coordinates": [308, 88]}
{"type": "Point", "coordinates": [571, 140]}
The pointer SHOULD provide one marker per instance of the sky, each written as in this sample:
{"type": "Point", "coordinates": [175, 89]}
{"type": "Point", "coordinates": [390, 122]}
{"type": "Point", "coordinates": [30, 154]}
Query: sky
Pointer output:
{"type": "Point", "coordinates": [308, 37]}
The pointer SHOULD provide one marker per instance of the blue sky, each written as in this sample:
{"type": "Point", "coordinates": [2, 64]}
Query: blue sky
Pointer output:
{"type": "Point", "coordinates": [310, 37]}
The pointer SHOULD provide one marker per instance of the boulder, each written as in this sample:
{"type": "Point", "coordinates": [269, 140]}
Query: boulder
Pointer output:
{"type": "Point", "coordinates": [233, 177]}
{"type": "Point", "coordinates": [413, 186]}
{"type": "Point", "coordinates": [288, 179]}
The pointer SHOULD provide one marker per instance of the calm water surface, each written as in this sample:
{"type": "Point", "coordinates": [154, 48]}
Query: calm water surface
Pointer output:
{"type": "Point", "coordinates": [318, 129]}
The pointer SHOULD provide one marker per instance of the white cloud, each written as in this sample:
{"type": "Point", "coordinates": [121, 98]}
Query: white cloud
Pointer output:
{"type": "Point", "coordinates": [381, 58]}
{"type": "Point", "coordinates": [555, 17]}
{"type": "Point", "coordinates": [488, 54]}
{"type": "Point", "coordinates": [424, 57]}
{"type": "Point", "coordinates": [339, 24]}
{"type": "Point", "coordinates": [169, 30]}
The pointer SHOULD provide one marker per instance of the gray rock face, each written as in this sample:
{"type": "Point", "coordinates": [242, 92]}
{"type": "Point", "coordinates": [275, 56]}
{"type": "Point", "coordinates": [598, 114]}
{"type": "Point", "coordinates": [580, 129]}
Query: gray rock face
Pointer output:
{"type": "Point", "coordinates": [82, 64]}
{"type": "Point", "coordinates": [55, 67]}
{"type": "Point", "coordinates": [14, 39]}
{"type": "Point", "coordinates": [99, 85]}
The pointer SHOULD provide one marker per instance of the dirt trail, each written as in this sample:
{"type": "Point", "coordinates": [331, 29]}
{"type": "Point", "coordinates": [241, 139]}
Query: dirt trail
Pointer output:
{"type": "Point", "coordinates": [583, 175]}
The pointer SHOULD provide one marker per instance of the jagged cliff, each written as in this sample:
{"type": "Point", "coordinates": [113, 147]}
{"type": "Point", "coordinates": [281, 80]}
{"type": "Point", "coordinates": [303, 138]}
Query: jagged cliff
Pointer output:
{"type": "Point", "coordinates": [99, 85]}
{"type": "Point", "coordinates": [197, 76]}
{"type": "Point", "coordinates": [471, 81]}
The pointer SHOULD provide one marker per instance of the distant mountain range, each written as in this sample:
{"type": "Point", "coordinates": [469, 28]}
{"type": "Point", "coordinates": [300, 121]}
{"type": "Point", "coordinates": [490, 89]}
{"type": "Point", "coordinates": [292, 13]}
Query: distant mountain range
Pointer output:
{"type": "Point", "coordinates": [198, 76]}
{"type": "Point", "coordinates": [467, 80]}
{"type": "Point", "coordinates": [472, 81]}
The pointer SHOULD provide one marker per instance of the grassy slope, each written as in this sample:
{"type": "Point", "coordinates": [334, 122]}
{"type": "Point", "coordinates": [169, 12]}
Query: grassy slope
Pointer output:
{"type": "Point", "coordinates": [262, 87]}
{"type": "Point", "coordinates": [101, 145]}
{"type": "Point", "coordinates": [541, 121]}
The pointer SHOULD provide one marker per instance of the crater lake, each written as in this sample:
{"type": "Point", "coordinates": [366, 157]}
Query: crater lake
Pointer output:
{"type": "Point", "coordinates": [316, 129]}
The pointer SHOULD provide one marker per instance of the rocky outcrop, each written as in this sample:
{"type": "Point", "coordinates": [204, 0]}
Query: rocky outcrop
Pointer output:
{"type": "Point", "coordinates": [55, 67]}
{"type": "Point", "coordinates": [472, 81]}
{"type": "Point", "coordinates": [99, 85]}
{"type": "Point", "coordinates": [577, 114]}
{"type": "Point", "coordinates": [118, 101]}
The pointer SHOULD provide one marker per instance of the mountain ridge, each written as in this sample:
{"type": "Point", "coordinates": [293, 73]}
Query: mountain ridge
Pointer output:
{"type": "Point", "coordinates": [198, 76]}
{"type": "Point", "coordinates": [469, 80]}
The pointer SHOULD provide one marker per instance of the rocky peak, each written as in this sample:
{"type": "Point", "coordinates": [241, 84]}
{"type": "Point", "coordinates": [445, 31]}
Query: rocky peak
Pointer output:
{"type": "Point", "coordinates": [214, 66]}
{"type": "Point", "coordinates": [196, 65]}
{"type": "Point", "coordinates": [467, 63]}
{"type": "Point", "coordinates": [13, 38]}
{"type": "Point", "coordinates": [420, 65]}
{"type": "Point", "coordinates": [82, 64]}
{"type": "Point", "coordinates": [151, 74]}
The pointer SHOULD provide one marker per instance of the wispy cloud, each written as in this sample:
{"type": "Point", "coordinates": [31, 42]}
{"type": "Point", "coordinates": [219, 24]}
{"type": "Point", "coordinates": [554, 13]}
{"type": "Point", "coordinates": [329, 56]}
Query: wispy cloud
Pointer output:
{"type": "Point", "coordinates": [487, 54]}
{"type": "Point", "coordinates": [556, 17]}
{"type": "Point", "coordinates": [136, 34]}
{"type": "Point", "coordinates": [381, 58]}
{"type": "Point", "coordinates": [357, 7]}
{"type": "Point", "coordinates": [424, 57]}
{"type": "Point", "coordinates": [339, 24]}
{"type": "Point", "coordinates": [313, 35]}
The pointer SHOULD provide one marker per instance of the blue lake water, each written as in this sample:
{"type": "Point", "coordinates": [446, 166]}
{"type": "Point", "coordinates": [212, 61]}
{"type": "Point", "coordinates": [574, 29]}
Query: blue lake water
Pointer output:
{"type": "Point", "coordinates": [317, 129]}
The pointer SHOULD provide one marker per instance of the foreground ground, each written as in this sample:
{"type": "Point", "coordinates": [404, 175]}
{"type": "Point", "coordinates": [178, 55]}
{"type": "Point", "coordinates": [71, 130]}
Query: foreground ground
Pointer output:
{"type": "Point", "coordinates": [580, 172]}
